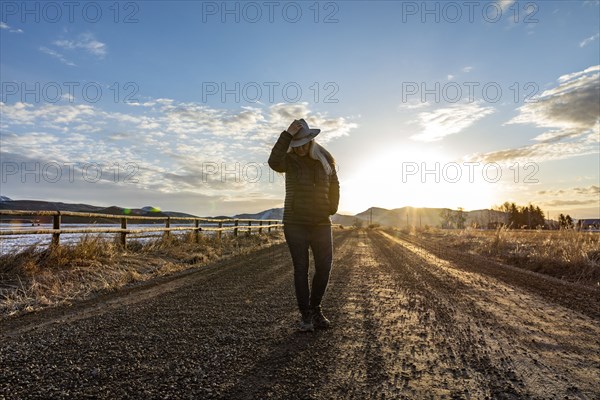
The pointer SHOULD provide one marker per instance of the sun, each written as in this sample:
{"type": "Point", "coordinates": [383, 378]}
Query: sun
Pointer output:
{"type": "Point", "coordinates": [414, 176]}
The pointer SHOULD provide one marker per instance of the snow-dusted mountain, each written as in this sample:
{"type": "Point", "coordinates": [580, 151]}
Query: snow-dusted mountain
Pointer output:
{"type": "Point", "coordinates": [272, 213]}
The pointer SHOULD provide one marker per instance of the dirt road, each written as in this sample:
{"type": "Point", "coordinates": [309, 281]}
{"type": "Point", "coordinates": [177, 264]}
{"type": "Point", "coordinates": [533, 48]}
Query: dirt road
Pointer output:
{"type": "Point", "coordinates": [410, 321]}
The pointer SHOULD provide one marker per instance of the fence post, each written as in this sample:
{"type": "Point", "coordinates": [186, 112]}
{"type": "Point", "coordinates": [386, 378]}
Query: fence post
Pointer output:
{"type": "Point", "coordinates": [220, 232]}
{"type": "Point", "coordinates": [168, 225]}
{"type": "Point", "coordinates": [249, 228]}
{"type": "Point", "coordinates": [269, 227]}
{"type": "Point", "coordinates": [124, 234]}
{"type": "Point", "coordinates": [260, 229]}
{"type": "Point", "coordinates": [235, 230]}
{"type": "Point", "coordinates": [198, 229]}
{"type": "Point", "coordinates": [56, 225]}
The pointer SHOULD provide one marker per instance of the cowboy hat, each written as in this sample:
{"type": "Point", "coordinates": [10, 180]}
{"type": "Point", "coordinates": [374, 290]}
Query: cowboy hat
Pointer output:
{"type": "Point", "coordinates": [304, 135]}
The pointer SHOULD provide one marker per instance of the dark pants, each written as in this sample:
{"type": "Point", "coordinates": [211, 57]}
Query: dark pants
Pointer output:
{"type": "Point", "coordinates": [299, 238]}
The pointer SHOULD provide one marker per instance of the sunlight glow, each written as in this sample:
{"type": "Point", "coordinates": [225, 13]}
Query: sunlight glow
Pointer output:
{"type": "Point", "coordinates": [418, 177]}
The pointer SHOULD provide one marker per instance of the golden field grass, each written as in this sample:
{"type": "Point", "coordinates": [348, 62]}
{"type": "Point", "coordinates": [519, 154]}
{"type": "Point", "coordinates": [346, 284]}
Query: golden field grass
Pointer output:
{"type": "Point", "coordinates": [36, 278]}
{"type": "Point", "coordinates": [565, 254]}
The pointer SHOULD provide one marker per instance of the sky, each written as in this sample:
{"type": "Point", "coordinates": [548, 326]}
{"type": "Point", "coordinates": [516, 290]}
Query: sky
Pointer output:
{"type": "Point", "coordinates": [177, 105]}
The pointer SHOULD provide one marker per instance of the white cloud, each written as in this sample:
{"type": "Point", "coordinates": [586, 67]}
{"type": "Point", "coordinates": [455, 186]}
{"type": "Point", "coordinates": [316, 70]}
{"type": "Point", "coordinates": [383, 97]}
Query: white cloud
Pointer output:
{"type": "Point", "coordinates": [505, 4]}
{"type": "Point", "coordinates": [574, 196]}
{"type": "Point", "coordinates": [571, 76]}
{"type": "Point", "coordinates": [68, 97]}
{"type": "Point", "coordinates": [569, 202]}
{"type": "Point", "coordinates": [554, 135]}
{"type": "Point", "coordinates": [467, 69]}
{"type": "Point", "coordinates": [88, 128]}
{"type": "Point", "coordinates": [120, 136]}
{"type": "Point", "coordinates": [170, 143]}
{"type": "Point", "coordinates": [450, 77]}
{"type": "Point", "coordinates": [281, 115]}
{"type": "Point", "coordinates": [413, 104]}
{"type": "Point", "coordinates": [572, 111]}
{"type": "Point", "coordinates": [4, 25]}
{"type": "Point", "coordinates": [86, 42]}
{"type": "Point", "coordinates": [42, 138]}
{"type": "Point", "coordinates": [592, 190]}
{"type": "Point", "coordinates": [572, 105]}
{"type": "Point", "coordinates": [47, 115]}
{"type": "Point", "coordinates": [57, 55]}
{"type": "Point", "coordinates": [539, 152]}
{"type": "Point", "coordinates": [589, 40]}
{"type": "Point", "coordinates": [450, 120]}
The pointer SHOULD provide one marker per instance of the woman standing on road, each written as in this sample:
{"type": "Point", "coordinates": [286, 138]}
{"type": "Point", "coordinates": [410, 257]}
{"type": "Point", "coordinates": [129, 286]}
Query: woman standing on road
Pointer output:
{"type": "Point", "coordinates": [312, 194]}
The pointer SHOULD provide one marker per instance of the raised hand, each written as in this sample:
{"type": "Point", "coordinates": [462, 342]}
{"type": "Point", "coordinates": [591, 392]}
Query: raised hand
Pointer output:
{"type": "Point", "coordinates": [294, 127]}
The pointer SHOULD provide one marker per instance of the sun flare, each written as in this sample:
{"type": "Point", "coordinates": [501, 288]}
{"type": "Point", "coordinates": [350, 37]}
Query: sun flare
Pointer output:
{"type": "Point", "coordinates": [415, 177]}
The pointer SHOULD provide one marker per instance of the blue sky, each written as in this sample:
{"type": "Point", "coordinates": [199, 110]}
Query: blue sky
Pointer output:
{"type": "Point", "coordinates": [389, 84]}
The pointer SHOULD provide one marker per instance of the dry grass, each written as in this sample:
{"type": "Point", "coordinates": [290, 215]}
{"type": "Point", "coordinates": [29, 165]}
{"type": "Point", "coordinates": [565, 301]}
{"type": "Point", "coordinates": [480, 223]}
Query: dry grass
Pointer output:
{"type": "Point", "coordinates": [40, 277]}
{"type": "Point", "coordinates": [566, 254]}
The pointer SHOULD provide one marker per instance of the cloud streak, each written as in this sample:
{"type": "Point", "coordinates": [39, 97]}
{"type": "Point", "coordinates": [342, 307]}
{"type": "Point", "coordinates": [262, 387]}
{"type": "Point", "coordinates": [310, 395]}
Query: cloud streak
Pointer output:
{"type": "Point", "coordinates": [57, 55]}
{"type": "Point", "coordinates": [86, 42]}
{"type": "Point", "coordinates": [592, 190]}
{"type": "Point", "coordinates": [589, 40]}
{"type": "Point", "coordinates": [504, 4]}
{"type": "Point", "coordinates": [568, 202]}
{"type": "Point", "coordinates": [570, 110]}
{"type": "Point", "coordinates": [450, 120]}
{"type": "Point", "coordinates": [4, 25]}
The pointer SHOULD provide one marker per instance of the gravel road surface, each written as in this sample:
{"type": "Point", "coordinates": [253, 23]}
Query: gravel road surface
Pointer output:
{"type": "Point", "coordinates": [409, 322]}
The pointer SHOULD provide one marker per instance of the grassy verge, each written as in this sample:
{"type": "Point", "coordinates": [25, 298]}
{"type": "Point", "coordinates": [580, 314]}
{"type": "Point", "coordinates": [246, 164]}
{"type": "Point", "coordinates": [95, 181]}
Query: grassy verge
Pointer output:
{"type": "Point", "coordinates": [43, 277]}
{"type": "Point", "coordinates": [567, 254]}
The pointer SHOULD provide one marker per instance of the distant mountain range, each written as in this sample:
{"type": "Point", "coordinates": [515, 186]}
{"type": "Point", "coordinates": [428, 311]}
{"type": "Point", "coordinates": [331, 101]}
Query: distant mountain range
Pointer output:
{"type": "Point", "coordinates": [272, 213]}
{"type": "Point", "coordinates": [398, 217]}
{"type": "Point", "coordinates": [421, 217]}
{"type": "Point", "coordinates": [38, 205]}
{"type": "Point", "coordinates": [146, 211]}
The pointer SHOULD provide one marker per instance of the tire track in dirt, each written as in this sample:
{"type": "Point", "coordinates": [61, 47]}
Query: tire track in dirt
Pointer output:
{"type": "Point", "coordinates": [582, 298]}
{"type": "Point", "coordinates": [446, 356]}
{"type": "Point", "coordinates": [411, 345]}
{"type": "Point", "coordinates": [356, 355]}
{"type": "Point", "coordinates": [513, 341]}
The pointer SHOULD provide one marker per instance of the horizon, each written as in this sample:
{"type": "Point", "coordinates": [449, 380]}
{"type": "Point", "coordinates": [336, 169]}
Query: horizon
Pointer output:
{"type": "Point", "coordinates": [177, 105]}
{"type": "Point", "coordinates": [548, 214]}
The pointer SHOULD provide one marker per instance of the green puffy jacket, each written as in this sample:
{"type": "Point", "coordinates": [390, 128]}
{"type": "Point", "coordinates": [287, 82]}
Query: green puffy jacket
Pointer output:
{"type": "Point", "coordinates": [311, 195]}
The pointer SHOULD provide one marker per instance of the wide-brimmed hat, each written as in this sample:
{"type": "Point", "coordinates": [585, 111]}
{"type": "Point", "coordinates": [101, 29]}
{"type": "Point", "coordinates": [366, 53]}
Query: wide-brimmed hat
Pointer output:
{"type": "Point", "coordinates": [304, 135]}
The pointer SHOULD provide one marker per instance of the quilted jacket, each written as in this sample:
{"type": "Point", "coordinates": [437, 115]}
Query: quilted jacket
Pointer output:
{"type": "Point", "coordinates": [311, 195]}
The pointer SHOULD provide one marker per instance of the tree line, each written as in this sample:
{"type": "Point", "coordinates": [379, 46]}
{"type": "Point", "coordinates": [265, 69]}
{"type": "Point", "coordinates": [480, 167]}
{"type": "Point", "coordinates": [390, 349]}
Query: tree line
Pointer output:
{"type": "Point", "coordinates": [531, 217]}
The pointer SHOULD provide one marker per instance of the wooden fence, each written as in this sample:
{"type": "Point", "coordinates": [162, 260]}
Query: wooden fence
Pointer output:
{"type": "Point", "coordinates": [57, 229]}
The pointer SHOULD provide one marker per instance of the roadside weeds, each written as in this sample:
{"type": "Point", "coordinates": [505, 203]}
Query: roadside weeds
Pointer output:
{"type": "Point", "coordinates": [568, 255]}
{"type": "Point", "coordinates": [37, 278]}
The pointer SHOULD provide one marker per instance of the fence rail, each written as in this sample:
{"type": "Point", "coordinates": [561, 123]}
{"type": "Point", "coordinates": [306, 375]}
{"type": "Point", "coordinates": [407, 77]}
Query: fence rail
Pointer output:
{"type": "Point", "coordinates": [57, 230]}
